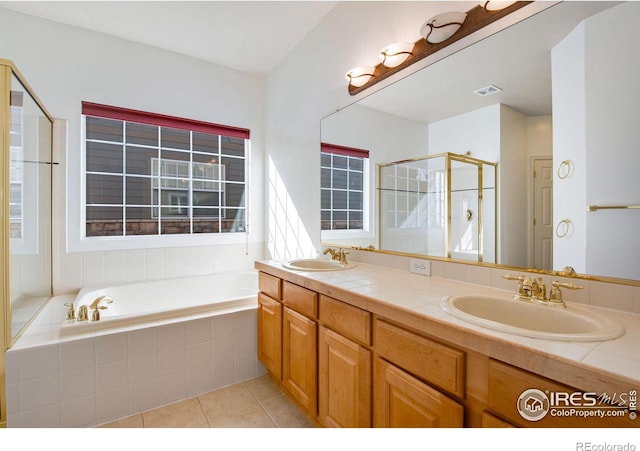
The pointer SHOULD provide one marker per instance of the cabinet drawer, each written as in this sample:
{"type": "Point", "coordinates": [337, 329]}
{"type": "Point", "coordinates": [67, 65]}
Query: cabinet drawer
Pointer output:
{"type": "Point", "coordinates": [349, 321]}
{"type": "Point", "coordinates": [434, 362]}
{"type": "Point", "coordinates": [508, 383]}
{"type": "Point", "coordinates": [270, 285]}
{"type": "Point", "coordinates": [300, 299]}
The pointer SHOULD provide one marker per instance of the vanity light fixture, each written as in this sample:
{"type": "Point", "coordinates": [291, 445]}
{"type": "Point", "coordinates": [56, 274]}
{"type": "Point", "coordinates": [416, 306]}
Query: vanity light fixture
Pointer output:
{"type": "Point", "coordinates": [395, 54]}
{"type": "Point", "coordinates": [360, 75]}
{"type": "Point", "coordinates": [496, 5]}
{"type": "Point", "coordinates": [441, 27]}
{"type": "Point", "coordinates": [437, 33]}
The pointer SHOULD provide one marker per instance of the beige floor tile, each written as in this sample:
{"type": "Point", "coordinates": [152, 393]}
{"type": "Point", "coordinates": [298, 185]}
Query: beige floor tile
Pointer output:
{"type": "Point", "coordinates": [252, 416]}
{"type": "Point", "coordinates": [263, 388]}
{"type": "Point", "coordinates": [182, 414]}
{"type": "Point", "coordinates": [284, 412]}
{"type": "Point", "coordinates": [134, 421]}
{"type": "Point", "coordinates": [227, 400]}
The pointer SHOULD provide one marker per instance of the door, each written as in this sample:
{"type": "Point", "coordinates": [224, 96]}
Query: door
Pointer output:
{"type": "Point", "coordinates": [299, 360]}
{"type": "Point", "coordinates": [542, 252]}
{"type": "Point", "coordinates": [344, 382]}
{"type": "Point", "coordinates": [401, 400]}
{"type": "Point", "coordinates": [270, 334]}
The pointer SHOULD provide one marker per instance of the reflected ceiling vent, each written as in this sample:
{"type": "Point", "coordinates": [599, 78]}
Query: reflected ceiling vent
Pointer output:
{"type": "Point", "coordinates": [487, 91]}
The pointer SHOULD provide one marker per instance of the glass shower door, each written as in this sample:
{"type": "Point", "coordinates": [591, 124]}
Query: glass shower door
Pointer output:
{"type": "Point", "coordinates": [465, 240]}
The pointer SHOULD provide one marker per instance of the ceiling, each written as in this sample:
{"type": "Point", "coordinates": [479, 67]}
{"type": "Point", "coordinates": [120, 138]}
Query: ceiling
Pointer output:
{"type": "Point", "coordinates": [250, 36]}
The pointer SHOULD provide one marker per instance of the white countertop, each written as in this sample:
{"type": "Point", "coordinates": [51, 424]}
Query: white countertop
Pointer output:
{"type": "Point", "coordinates": [421, 295]}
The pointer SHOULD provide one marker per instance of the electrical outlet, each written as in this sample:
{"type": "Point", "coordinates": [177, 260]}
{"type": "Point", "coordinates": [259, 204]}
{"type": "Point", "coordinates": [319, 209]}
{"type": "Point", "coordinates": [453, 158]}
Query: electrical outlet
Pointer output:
{"type": "Point", "coordinates": [418, 266]}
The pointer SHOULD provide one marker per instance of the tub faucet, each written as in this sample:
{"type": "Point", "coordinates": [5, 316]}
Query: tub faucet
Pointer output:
{"type": "Point", "coordinates": [96, 307]}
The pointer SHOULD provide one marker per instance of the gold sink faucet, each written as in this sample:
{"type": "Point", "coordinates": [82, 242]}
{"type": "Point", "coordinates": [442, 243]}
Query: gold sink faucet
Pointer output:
{"type": "Point", "coordinates": [532, 290]}
{"type": "Point", "coordinates": [338, 255]}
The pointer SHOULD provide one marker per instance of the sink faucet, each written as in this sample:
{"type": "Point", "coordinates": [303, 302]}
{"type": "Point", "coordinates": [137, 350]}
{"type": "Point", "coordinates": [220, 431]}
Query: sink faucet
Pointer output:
{"type": "Point", "coordinates": [339, 255]}
{"type": "Point", "coordinates": [532, 290]}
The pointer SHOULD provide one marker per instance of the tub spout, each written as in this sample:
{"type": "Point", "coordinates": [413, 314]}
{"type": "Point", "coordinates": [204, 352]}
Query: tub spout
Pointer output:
{"type": "Point", "coordinates": [105, 299]}
{"type": "Point", "coordinates": [96, 307]}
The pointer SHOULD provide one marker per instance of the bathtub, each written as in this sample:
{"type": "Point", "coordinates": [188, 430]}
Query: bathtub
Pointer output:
{"type": "Point", "coordinates": [158, 342]}
{"type": "Point", "coordinates": [166, 300]}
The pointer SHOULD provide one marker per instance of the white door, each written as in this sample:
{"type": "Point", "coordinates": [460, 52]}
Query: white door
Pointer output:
{"type": "Point", "coordinates": [543, 214]}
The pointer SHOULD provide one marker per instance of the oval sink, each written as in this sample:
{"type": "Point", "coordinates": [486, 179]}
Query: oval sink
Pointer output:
{"type": "Point", "coordinates": [574, 323]}
{"type": "Point", "coordinates": [316, 264]}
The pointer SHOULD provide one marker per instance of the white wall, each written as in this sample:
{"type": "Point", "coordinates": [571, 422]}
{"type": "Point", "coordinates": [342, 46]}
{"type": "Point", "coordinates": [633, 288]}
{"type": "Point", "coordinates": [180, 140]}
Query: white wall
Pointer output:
{"type": "Point", "coordinates": [595, 86]}
{"type": "Point", "coordinates": [66, 65]}
{"type": "Point", "coordinates": [307, 85]}
{"type": "Point", "coordinates": [612, 137]}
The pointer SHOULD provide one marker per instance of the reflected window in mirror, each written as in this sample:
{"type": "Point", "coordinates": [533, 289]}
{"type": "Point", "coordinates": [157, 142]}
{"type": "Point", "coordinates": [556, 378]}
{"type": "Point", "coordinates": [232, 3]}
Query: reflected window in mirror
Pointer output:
{"type": "Point", "coordinates": [344, 188]}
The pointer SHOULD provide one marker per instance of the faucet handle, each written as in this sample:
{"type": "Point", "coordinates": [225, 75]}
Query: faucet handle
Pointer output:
{"type": "Point", "coordinates": [555, 296]}
{"type": "Point", "coordinates": [71, 312]}
{"type": "Point", "coordinates": [83, 313]}
{"type": "Point", "coordinates": [512, 277]}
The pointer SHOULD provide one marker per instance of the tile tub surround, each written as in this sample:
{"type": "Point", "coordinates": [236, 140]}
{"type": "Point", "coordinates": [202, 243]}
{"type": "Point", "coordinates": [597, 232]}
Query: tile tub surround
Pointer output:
{"type": "Point", "coordinates": [82, 381]}
{"type": "Point", "coordinates": [413, 300]}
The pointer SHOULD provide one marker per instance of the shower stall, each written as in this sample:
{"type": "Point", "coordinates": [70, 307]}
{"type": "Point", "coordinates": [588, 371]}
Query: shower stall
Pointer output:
{"type": "Point", "coordinates": [25, 200]}
{"type": "Point", "coordinates": [440, 205]}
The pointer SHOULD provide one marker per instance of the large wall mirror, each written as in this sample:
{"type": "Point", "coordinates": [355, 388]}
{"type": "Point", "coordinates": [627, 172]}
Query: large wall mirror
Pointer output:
{"type": "Point", "coordinates": [554, 101]}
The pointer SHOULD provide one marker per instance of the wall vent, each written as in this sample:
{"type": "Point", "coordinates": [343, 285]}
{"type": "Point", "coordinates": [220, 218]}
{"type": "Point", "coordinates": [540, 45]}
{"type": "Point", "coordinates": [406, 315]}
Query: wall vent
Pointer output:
{"type": "Point", "coordinates": [486, 91]}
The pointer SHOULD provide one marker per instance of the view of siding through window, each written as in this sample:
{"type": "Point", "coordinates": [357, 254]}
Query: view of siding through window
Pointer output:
{"type": "Point", "coordinates": [152, 180]}
{"type": "Point", "coordinates": [342, 188]}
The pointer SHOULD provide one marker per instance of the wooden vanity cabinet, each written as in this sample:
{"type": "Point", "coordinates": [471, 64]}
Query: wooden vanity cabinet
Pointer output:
{"type": "Point", "coordinates": [344, 365]}
{"type": "Point", "coordinates": [347, 367]}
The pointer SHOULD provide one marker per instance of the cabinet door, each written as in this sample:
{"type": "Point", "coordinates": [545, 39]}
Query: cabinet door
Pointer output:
{"type": "Point", "coordinates": [270, 334]}
{"type": "Point", "coordinates": [299, 360]}
{"type": "Point", "coordinates": [401, 400]}
{"type": "Point", "coordinates": [344, 382]}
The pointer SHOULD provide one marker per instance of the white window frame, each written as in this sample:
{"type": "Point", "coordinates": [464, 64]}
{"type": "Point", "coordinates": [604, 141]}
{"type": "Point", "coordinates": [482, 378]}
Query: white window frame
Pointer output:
{"type": "Point", "coordinates": [367, 213]}
{"type": "Point", "coordinates": [77, 241]}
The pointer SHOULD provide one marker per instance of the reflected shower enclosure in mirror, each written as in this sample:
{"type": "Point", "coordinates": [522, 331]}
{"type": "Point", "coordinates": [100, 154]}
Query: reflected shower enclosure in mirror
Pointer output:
{"type": "Point", "coordinates": [440, 205]}
{"type": "Point", "coordinates": [567, 79]}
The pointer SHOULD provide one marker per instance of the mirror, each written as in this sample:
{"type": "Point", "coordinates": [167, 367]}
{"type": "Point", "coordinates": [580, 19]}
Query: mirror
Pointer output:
{"type": "Point", "coordinates": [567, 107]}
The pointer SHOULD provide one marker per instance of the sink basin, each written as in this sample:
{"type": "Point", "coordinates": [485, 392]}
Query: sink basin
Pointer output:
{"type": "Point", "coordinates": [316, 264]}
{"type": "Point", "coordinates": [574, 323]}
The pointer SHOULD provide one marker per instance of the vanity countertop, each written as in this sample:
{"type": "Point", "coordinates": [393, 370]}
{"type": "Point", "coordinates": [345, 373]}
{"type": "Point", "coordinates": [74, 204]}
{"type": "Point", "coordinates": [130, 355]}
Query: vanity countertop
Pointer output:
{"type": "Point", "coordinates": [414, 300]}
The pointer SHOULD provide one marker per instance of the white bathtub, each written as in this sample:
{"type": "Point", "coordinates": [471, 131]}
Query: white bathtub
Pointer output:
{"type": "Point", "coordinates": [158, 343]}
{"type": "Point", "coordinates": [166, 300]}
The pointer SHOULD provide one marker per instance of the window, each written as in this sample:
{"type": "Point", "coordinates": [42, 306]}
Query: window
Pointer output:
{"type": "Point", "coordinates": [343, 175]}
{"type": "Point", "coordinates": [149, 174]}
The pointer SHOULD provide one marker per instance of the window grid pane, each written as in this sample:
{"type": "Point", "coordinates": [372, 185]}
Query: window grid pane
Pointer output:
{"type": "Point", "coordinates": [149, 180]}
{"type": "Point", "coordinates": [342, 192]}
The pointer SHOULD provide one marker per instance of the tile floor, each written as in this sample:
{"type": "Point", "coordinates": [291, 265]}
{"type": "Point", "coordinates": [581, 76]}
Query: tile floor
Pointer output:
{"type": "Point", "coordinates": [257, 403]}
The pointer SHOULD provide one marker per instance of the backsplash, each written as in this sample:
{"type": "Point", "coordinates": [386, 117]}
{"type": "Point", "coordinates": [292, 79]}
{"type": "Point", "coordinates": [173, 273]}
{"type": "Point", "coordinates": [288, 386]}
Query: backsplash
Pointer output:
{"type": "Point", "coordinates": [602, 294]}
{"type": "Point", "coordinates": [84, 269]}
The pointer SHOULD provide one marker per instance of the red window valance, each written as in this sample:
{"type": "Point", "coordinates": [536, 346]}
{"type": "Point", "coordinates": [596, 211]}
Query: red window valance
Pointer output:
{"type": "Point", "coordinates": [161, 120]}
